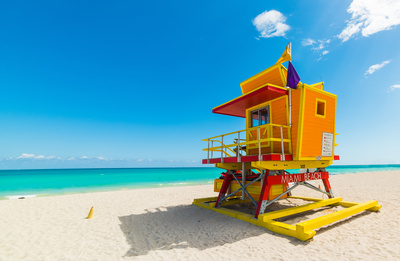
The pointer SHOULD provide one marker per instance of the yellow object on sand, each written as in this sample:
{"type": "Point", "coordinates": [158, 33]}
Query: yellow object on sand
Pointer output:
{"type": "Point", "coordinates": [90, 214]}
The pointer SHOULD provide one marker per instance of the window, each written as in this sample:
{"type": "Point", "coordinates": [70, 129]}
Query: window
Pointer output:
{"type": "Point", "coordinates": [260, 116]}
{"type": "Point", "coordinates": [320, 109]}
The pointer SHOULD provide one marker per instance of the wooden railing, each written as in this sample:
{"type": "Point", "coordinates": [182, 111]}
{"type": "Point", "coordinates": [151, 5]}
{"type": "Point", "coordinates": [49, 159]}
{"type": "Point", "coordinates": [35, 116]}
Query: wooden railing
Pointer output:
{"type": "Point", "coordinates": [233, 144]}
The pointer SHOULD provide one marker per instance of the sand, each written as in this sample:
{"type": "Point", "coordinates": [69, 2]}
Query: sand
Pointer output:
{"type": "Point", "coordinates": [162, 224]}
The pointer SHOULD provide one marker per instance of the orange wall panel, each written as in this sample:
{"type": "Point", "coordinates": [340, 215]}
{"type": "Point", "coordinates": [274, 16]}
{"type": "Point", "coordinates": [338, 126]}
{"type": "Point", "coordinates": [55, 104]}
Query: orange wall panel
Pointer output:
{"type": "Point", "coordinates": [278, 111]}
{"type": "Point", "coordinates": [314, 126]}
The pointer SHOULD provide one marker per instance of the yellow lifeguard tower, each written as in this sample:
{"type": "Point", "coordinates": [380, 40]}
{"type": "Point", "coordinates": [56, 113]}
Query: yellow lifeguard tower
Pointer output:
{"type": "Point", "coordinates": [286, 129]}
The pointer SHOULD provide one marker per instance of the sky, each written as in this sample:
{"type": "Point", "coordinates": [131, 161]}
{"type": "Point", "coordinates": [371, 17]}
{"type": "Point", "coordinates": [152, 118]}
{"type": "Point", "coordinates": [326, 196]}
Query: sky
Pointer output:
{"type": "Point", "coordinates": [133, 83]}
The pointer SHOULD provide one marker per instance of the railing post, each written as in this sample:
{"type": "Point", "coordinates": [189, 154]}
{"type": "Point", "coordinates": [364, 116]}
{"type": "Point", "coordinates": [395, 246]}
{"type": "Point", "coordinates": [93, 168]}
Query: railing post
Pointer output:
{"type": "Point", "coordinates": [259, 145]}
{"type": "Point", "coordinates": [222, 148]}
{"type": "Point", "coordinates": [271, 135]}
{"type": "Point", "coordinates": [238, 147]}
{"type": "Point", "coordinates": [283, 149]}
{"type": "Point", "coordinates": [208, 152]}
{"type": "Point", "coordinates": [212, 149]}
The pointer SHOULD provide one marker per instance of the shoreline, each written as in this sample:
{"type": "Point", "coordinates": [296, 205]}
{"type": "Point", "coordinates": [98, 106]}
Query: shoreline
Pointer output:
{"type": "Point", "coordinates": [162, 224]}
{"type": "Point", "coordinates": [102, 189]}
{"type": "Point", "coordinates": [69, 191]}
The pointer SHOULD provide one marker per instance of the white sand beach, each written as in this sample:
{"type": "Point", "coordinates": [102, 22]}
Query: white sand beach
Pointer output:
{"type": "Point", "coordinates": [162, 224]}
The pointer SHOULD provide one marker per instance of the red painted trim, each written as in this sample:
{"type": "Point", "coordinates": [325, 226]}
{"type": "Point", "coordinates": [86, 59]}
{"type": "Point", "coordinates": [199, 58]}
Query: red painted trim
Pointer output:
{"type": "Point", "coordinates": [217, 160]}
{"type": "Point", "coordinates": [336, 157]}
{"type": "Point", "coordinates": [247, 96]}
{"type": "Point", "coordinates": [283, 179]}
{"type": "Point", "coordinates": [249, 158]}
{"type": "Point", "coordinates": [230, 160]}
{"type": "Point", "coordinates": [276, 157]}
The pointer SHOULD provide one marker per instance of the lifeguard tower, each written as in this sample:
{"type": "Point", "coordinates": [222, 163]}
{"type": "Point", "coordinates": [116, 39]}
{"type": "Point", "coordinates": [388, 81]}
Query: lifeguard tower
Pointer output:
{"type": "Point", "coordinates": [286, 129]}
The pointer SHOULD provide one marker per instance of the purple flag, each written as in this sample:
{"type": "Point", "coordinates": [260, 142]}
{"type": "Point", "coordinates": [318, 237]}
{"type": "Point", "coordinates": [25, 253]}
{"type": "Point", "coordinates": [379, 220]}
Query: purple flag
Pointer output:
{"type": "Point", "coordinates": [292, 77]}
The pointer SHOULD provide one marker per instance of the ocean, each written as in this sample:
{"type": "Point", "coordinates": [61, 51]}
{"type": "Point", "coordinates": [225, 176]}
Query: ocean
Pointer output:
{"type": "Point", "coordinates": [45, 182]}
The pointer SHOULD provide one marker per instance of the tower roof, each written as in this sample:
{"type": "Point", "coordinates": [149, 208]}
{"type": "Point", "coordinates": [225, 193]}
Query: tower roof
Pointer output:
{"type": "Point", "coordinates": [275, 75]}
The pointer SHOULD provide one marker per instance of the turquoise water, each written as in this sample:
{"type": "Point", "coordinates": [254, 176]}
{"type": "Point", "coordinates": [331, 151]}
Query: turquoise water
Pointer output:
{"type": "Point", "coordinates": [63, 181]}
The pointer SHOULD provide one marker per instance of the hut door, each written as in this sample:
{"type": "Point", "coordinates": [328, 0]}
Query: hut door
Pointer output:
{"type": "Point", "coordinates": [259, 117]}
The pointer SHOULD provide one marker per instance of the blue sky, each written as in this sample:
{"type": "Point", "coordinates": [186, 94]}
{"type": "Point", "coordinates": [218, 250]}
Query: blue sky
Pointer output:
{"type": "Point", "coordinates": [132, 83]}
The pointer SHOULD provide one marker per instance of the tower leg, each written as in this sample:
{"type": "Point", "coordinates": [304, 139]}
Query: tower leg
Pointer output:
{"type": "Point", "coordinates": [225, 186]}
{"type": "Point", "coordinates": [265, 188]}
{"type": "Point", "coordinates": [328, 187]}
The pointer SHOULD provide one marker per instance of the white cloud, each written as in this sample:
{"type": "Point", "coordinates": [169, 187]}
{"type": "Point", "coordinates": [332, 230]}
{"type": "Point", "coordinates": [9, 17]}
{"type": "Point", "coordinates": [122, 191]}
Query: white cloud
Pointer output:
{"type": "Point", "coordinates": [307, 42]}
{"type": "Point", "coordinates": [71, 158]}
{"type": "Point", "coordinates": [33, 156]}
{"type": "Point", "coordinates": [270, 24]}
{"type": "Point", "coordinates": [370, 17]}
{"type": "Point", "coordinates": [395, 87]}
{"type": "Point", "coordinates": [26, 156]}
{"type": "Point", "coordinates": [375, 67]}
{"type": "Point", "coordinates": [140, 160]}
{"type": "Point", "coordinates": [101, 158]}
{"type": "Point", "coordinates": [84, 157]}
{"type": "Point", "coordinates": [321, 45]}
{"type": "Point", "coordinates": [317, 46]}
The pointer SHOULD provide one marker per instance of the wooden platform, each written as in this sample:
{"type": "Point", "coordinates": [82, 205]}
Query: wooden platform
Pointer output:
{"type": "Point", "coordinates": [304, 230]}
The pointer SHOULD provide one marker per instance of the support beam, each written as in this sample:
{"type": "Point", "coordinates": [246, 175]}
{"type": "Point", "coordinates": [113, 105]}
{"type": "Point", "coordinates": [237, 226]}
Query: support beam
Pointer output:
{"type": "Point", "coordinates": [295, 210]}
{"type": "Point", "coordinates": [318, 222]}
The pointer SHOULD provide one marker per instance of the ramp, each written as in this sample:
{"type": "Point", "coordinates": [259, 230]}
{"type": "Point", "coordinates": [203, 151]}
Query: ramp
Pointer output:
{"type": "Point", "coordinates": [304, 230]}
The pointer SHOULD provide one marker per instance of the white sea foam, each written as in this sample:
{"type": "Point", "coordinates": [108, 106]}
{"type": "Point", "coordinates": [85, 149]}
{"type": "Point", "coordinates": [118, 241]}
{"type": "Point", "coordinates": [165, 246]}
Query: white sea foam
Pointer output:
{"type": "Point", "coordinates": [21, 196]}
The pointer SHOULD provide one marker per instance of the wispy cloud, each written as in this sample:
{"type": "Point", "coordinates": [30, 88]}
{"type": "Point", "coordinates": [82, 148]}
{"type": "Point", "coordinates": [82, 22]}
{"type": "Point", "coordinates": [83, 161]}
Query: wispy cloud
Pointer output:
{"type": "Point", "coordinates": [271, 24]}
{"type": "Point", "coordinates": [375, 67]}
{"type": "Point", "coordinates": [26, 156]}
{"type": "Point", "coordinates": [370, 17]}
{"type": "Point", "coordinates": [317, 46]}
{"type": "Point", "coordinates": [395, 87]}
{"type": "Point", "coordinates": [33, 156]}
{"type": "Point", "coordinates": [307, 42]}
{"type": "Point", "coordinates": [321, 45]}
